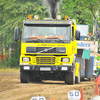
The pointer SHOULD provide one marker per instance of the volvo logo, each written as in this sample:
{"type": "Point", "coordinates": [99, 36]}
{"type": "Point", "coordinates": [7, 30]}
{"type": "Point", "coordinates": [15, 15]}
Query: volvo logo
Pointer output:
{"type": "Point", "coordinates": [45, 50]}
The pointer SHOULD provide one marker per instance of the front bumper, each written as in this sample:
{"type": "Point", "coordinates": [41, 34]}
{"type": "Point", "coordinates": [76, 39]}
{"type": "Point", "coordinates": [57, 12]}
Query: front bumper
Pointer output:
{"type": "Point", "coordinates": [46, 68]}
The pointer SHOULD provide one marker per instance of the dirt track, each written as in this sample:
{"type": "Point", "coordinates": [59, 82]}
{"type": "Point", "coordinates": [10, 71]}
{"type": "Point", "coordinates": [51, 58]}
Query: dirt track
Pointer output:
{"type": "Point", "coordinates": [12, 89]}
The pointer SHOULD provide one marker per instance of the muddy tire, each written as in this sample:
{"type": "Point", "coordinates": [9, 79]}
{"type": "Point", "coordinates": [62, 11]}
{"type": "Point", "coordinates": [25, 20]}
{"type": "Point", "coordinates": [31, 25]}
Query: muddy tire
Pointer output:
{"type": "Point", "coordinates": [70, 77]}
{"type": "Point", "coordinates": [23, 77]}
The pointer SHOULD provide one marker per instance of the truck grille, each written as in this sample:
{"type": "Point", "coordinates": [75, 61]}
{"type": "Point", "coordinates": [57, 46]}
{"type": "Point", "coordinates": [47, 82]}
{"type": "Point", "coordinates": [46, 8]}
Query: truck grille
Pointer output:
{"type": "Point", "coordinates": [45, 60]}
{"type": "Point", "coordinates": [46, 50]}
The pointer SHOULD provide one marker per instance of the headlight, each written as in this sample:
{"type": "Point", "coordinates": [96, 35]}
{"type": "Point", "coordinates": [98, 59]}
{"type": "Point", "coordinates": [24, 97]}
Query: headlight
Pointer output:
{"type": "Point", "coordinates": [36, 17]}
{"type": "Point", "coordinates": [65, 60]}
{"type": "Point", "coordinates": [26, 59]}
{"type": "Point", "coordinates": [59, 17]}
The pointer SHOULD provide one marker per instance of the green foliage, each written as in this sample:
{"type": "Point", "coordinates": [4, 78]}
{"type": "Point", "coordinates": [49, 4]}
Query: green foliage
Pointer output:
{"type": "Point", "coordinates": [12, 14]}
{"type": "Point", "coordinates": [15, 11]}
{"type": "Point", "coordinates": [83, 11]}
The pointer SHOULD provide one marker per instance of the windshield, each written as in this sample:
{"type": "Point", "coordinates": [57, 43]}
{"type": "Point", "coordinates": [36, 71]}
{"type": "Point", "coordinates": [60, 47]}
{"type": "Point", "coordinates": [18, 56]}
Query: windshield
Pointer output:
{"type": "Point", "coordinates": [47, 32]}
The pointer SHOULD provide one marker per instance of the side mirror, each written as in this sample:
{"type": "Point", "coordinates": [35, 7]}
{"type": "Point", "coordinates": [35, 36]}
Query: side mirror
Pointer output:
{"type": "Point", "coordinates": [16, 34]}
{"type": "Point", "coordinates": [77, 35]}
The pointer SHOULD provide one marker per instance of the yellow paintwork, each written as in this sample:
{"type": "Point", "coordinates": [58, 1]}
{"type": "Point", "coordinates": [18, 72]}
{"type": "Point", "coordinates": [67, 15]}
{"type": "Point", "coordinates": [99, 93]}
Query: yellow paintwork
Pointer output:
{"type": "Point", "coordinates": [71, 49]}
{"type": "Point", "coordinates": [76, 69]}
{"type": "Point", "coordinates": [57, 60]}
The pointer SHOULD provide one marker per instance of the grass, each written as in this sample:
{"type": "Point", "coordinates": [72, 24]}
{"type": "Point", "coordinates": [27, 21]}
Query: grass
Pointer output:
{"type": "Point", "coordinates": [9, 70]}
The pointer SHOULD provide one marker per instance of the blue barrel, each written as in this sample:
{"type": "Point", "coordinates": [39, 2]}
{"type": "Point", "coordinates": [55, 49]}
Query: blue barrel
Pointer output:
{"type": "Point", "coordinates": [89, 67]}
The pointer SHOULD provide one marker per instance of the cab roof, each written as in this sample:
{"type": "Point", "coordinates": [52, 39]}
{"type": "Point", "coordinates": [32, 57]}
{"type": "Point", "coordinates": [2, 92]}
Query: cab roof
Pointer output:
{"type": "Point", "coordinates": [45, 22]}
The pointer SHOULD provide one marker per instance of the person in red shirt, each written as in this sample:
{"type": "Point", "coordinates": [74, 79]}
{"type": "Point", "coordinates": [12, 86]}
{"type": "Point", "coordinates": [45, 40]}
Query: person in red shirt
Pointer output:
{"type": "Point", "coordinates": [2, 57]}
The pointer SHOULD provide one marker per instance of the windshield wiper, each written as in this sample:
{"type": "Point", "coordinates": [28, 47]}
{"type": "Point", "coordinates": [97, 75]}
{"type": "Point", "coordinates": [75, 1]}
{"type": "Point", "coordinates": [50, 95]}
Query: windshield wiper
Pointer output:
{"type": "Point", "coordinates": [60, 39]}
{"type": "Point", "coordinates": [56, 38]}
{"type": "Point", "coordinates": [39, 39]}
{"type": "Point", "coordinates": [29, 39]}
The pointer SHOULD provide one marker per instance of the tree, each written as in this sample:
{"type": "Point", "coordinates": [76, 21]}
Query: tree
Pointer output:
{"type": "Point", "coordinates": [12, 14]}
{"type": "Point", "coordinates": [84, 12]}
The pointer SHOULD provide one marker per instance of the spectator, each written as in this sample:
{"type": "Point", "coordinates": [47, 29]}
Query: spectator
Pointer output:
{"type": "Point", "coordinates": [65, 35]}
{"type": "Point", "coordinates": [33, 32]}
{"type": "Point", "coordinates": [64, 32]}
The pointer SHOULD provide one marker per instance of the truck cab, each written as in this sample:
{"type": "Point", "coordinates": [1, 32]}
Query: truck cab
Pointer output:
{"type": "Point", "coordinates": [48, 49]}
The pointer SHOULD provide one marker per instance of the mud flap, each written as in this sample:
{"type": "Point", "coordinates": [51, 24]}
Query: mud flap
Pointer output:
{"type": "Point", "coordinates": [77, 73]}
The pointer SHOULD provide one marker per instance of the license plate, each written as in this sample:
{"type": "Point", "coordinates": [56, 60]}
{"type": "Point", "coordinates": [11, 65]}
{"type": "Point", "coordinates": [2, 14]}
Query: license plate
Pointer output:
{"type": "Point", "coordinates": [63, 68]}
{"type": "Point", "coordinates": [26, 68]}
{"type": "Point", "coordinates": [45, 68]}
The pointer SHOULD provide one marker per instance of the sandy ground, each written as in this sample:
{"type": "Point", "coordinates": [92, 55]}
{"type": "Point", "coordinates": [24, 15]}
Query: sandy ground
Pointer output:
{"type": "Point", "coordinates": [12, 89]}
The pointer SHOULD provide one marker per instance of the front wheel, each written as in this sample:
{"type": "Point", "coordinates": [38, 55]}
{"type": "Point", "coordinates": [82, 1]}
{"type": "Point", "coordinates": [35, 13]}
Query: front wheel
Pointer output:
{"type": "Point", "coordinates": [70, 77]}
{"type": "Point", "coordinates": [23, 77]}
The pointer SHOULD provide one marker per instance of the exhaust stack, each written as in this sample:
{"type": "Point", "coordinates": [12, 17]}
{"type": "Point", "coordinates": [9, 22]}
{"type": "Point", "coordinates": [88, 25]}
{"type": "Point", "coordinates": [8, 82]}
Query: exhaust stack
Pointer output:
{"type": "Point", "coordinates": [54, 8]}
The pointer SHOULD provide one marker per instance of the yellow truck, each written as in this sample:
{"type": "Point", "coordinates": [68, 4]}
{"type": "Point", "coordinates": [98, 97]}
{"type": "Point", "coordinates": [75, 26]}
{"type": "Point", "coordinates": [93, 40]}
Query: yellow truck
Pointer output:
{"type": "Point", "coordinates": [48, 50]}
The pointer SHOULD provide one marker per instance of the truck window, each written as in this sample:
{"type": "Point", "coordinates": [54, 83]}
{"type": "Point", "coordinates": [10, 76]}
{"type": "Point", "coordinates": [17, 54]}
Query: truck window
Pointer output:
{"type": "Point", "coordinates": [44, 32]}
{"type": "Point", "coordinates": [72, 31]}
